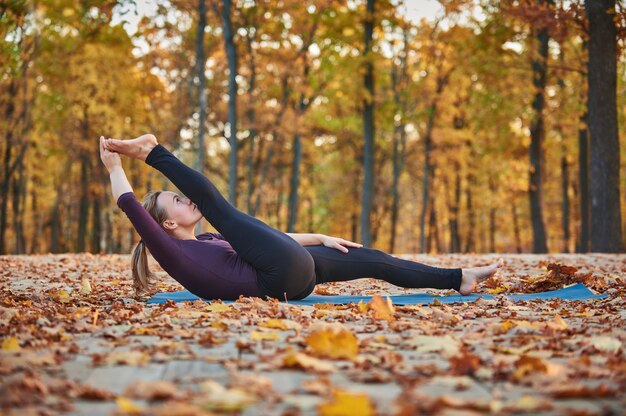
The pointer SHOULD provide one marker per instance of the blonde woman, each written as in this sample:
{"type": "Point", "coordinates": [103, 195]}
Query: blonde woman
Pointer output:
{"type": "Point", "coordinates": [246, 257]}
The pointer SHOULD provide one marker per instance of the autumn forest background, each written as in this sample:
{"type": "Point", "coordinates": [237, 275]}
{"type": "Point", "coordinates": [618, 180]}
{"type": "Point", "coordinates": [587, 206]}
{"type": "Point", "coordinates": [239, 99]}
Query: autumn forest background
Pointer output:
{"type": "Point", "coordinates": [493, 126]}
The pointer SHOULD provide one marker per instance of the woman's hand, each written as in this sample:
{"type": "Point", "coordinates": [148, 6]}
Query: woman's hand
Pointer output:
{"type": "Point", "coordinates": [338, 243]}
{"type": "Point", "coordinates": [110, 159]}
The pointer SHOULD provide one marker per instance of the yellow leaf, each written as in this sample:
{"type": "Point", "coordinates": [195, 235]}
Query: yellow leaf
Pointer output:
{"type": "Point", "coordinates": [218, 324]}
{"type": "Point", "coordinates": [218, 307]}
{"type": "Point", "coordinates": [11, 344]}
{"type": "Point", "coordinates": [143, 331]}
{"type": "Point", "coordinates": [506, 325]}
{"type": "Point", "coordinates": [497, 290]}
{"type": "Point", "coordinates": [125, 405]}
{"type": "Point", "coordinates": [347, 403]}
{"type": "Point", "coordinates": [85, 286]}
{"type": "Point", "coordinates": [383, 308]}
{"type": "Point", "coordinates": [127, 357]}
{"type": "Point", "coordinates": [558, 323]}
{"type": "Point", "coordinates": [306, 362]}
{"type": "Point", "coordinates": [363, 307]}
{"type": "Point", "coordinates": [445, 344]}
{"type": "Point", "coordinates": [264, 336]}
{"type": "Point", "coordinates": [280, 324]}
{"type": "Point", "coordinates": [61, 296]}
{"type": "Point", "coordinates": [333, 341]}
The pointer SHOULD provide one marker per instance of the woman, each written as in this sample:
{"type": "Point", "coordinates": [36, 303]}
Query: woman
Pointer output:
{"type": "Point", "coordinates": [246, 257]}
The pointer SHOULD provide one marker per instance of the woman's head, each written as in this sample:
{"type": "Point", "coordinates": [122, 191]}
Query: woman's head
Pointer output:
{"type": "Point", "coordinates": [176, 215]}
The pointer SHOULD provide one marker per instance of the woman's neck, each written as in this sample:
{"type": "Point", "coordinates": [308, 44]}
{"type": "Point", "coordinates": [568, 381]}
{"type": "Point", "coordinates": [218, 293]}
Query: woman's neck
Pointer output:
{"type": "Point", "coordinates": [184, 234]}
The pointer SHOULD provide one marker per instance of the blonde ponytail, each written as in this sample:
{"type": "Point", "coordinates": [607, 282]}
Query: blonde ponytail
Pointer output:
{"type": "Point", "coordinates": [143, 278]}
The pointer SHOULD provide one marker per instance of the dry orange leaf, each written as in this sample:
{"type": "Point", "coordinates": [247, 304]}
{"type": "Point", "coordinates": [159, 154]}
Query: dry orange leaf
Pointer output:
{"type": "Point", "coordinates": [276, 323]}
{"type": "Point", "coordinates": [306, 362]}
{"type": "Point", "coordinates": [333, 341]}
{"type": "Point", "coordinates": [383, 308]}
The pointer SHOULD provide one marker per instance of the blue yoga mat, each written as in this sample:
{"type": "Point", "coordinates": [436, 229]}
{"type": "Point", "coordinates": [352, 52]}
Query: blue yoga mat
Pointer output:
{"type": "Point", "coordinates": [574, 292]}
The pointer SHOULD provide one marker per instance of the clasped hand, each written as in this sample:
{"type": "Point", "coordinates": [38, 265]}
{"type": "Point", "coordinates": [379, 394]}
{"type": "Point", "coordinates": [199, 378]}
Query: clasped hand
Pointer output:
{"type": "Point", "coordinates": [338, 243]}
{"type": "Point", "coordinates": [110, 159]}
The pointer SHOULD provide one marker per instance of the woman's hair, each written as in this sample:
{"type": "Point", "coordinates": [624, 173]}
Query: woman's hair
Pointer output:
{"type": "Point", "coordinates": [143, 278]}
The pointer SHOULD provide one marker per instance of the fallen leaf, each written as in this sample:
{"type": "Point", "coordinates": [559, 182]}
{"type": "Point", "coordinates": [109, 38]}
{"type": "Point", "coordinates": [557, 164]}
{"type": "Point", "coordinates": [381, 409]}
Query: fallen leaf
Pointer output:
{"type": "Point", "coordinates": [85, 286]}
{"type": "Point", "coordinates": [264, 336]}
{"type": "Point", "coordinates": [127, 357]}
{"type": "Point", "coordinates": [280, 324]}
{"type": "Point", "coordinates": [604, 343]}
{"type": "Point", "coordinates": [154, 390]}
{"type": "Point", "coordinates": [426, 343]}
{"type": "Point", "coordinates": [218, 307]}
{"type": "Point", "coordinates": [333, 341]}
{"type": "Point", "coordinates": [347, 403]}
{"type": "Point", "coordinates": [11, 344]}
{"type": "Point", "coordinates": [306, 362]}
{"type": "Point", "coordinates": [383, 308]}
{"type": "Point", "coordinates": [127, 406]}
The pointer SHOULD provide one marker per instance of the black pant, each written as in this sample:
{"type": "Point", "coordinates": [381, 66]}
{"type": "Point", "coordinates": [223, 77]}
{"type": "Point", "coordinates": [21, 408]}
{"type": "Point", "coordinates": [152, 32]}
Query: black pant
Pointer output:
{"type": "Point", "coordinates": [285, 269]}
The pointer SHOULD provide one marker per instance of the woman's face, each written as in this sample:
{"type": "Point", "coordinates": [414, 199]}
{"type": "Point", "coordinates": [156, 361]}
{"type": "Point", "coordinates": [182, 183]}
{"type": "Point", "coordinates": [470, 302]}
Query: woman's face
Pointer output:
{"type": "Point", "coordinates": [179, 209]}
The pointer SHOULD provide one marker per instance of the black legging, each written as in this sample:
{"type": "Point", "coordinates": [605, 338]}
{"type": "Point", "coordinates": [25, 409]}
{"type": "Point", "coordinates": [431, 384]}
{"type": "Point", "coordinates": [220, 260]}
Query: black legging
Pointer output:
{"type": "Point", "coordinates": [285, 269]}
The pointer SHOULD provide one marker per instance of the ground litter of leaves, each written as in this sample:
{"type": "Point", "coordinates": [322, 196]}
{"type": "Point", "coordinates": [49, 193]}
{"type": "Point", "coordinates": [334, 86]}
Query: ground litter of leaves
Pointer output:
{"type": "Point", "coordinates": [75, 340]}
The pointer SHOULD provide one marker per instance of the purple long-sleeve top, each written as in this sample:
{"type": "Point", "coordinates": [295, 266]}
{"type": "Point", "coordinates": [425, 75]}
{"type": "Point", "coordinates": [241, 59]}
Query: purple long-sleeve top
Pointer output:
{"type": "Point", "coordinates": [208, 267]}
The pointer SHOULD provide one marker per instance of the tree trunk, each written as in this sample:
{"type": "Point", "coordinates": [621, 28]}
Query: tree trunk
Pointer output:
{"type": "Point", "coordinates": [19, 191]}
{"type": "Point", "coordinates": [6, 177]}
{"type": "Point", "coordinates": [493, 188]}
{"type": "Point", "coordinates": [96, 230]}
{"type": "Point", "coordinates": [516, 230]}
{"type": "Point", "coordinates": [455, 233]}
{"type": "Point", "coordinates": [200, 64]}
{"type": "Point", "coordinates": [537, 135]}
{"type": "Point", "coordinates": [583, 178]}
{"type": "Point", "coordinates": [83, 213]}
{"type": "Point", "coordinates": [231, 53]}
{"type": "Point", "coordinates": [470, 240]}
{"type": "Point", "coordinates": [294, 184]}
{"type": "Point", "coordinates": [368, 129]}
{"type": "Point", "coordinates": [442, 80]}
{"type": "Point", "coordinates": [55, 223]}
{"type": "Point", "coordinates": [251, 113]}
{"type": "Point", "coordinates": [565, 204]}
{"type": "Point", "coordinates": [606, 220]}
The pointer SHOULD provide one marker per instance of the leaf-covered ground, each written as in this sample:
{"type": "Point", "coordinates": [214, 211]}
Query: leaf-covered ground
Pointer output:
{"type": "Point", "coordinates": [75, 340]}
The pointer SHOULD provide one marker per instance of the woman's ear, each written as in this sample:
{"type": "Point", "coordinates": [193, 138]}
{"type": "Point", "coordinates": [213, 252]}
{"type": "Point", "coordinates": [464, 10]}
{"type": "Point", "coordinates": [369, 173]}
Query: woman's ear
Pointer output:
{"type": "Point", "coordinates": [169, 225]}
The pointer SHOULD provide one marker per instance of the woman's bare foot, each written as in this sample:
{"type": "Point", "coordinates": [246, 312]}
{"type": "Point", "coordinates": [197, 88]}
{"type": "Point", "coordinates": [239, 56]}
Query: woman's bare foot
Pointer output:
{"type": "Point", "coordinates": [474, 275]}
{"type": "Point", "coordinates": [138, 148]}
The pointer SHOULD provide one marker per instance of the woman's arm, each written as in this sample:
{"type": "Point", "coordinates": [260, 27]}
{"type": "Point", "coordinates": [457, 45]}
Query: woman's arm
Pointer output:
{"type": "Point", "coordinates": [316, 239]}
{"type": "Point", "coordinates": [307, 239]}
{"type": "Point", "coordinates": [119, 182]}
{"type": "Point", "coordinates": [113, 163]}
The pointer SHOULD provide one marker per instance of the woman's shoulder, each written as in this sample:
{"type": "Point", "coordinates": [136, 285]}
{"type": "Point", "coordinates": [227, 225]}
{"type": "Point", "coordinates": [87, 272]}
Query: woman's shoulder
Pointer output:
{"type": "Point", "coordinates": [210, 236]}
